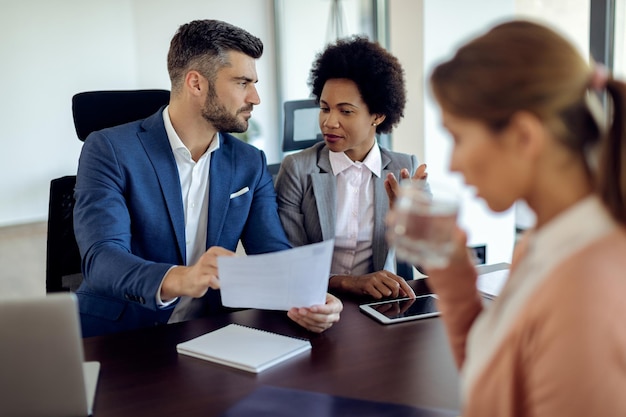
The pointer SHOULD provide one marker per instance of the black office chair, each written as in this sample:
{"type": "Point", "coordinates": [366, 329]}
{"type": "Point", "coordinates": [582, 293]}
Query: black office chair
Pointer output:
{"type": "Point", "coordinates": [62, 257]}
{"type": "Point", "coordinates": [92, 110]}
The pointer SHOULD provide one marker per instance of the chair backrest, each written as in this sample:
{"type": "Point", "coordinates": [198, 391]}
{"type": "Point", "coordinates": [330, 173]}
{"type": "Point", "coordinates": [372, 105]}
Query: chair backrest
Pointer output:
{"type": "Point", "coordinates": [95, 110]}
{"type": "Point", "coordinates": [62, 255]}
{"type": "Point", "coordinates": [92, 111]}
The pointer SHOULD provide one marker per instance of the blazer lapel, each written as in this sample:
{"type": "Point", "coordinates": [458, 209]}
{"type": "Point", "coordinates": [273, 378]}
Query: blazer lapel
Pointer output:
{"type": "Point", "coordinates": [381, 206]}
{"type": "Point", "coordinates": [325, 193]}
{"type": "Point", "coordinates": [221, 174]}
{"type": "Point", "coordinates": [157, 147]}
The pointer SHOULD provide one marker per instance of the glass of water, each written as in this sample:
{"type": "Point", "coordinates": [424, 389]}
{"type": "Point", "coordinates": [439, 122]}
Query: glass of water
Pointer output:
{"type": "Point", "coordinates": [423, 222]}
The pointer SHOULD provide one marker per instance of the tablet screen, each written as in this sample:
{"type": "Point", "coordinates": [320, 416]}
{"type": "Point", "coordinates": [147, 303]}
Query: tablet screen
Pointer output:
{"type": "Point", "coordinates": [402, 309]}
{"type": "Point", "coordinates": [407, 307]}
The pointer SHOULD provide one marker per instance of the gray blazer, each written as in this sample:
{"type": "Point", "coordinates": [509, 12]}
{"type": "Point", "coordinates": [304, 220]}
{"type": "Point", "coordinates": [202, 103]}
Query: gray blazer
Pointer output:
{"type": "Point", "coordinates": [307, 197]}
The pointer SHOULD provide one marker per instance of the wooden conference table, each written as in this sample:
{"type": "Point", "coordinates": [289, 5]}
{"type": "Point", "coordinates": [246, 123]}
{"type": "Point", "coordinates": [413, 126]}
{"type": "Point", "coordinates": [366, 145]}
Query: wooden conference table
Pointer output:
{"type": "Point", "coordinates": [407, 363]}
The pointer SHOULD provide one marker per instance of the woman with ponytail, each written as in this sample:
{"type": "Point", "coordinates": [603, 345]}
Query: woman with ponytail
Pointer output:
{"type": "Point", "coordinates": [521, 106]}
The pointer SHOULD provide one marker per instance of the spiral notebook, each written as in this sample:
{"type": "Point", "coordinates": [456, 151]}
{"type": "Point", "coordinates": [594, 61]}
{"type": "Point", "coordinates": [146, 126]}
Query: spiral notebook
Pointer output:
{"type": "Point", "coordinates": [245, 348]}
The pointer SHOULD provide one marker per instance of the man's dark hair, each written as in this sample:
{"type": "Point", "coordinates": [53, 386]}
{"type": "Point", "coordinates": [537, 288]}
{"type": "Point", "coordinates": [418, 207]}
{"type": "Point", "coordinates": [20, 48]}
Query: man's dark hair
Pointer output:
{"type": "Point", "coordinates": [203, 45]}
{"type": "Point", "coordinates": [376, 72]}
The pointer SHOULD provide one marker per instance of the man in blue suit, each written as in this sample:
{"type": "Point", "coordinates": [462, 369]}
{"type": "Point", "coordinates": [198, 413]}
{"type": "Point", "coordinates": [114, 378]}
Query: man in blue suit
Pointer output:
{"type": "Point", "coordinates": [153, 195]}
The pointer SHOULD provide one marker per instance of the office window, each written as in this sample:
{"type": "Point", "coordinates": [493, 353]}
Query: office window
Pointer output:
{"type": "Point", "coordinates": [619, 44]}
{"type": "Point", "coordinates": [304, 28]}
{"type": "Point", "coordinates": [570, 17]}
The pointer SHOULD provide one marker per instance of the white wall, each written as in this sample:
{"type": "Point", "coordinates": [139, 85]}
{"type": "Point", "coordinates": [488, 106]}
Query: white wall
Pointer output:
{"type": "Point", "coordinates": [422, 33]}
{"type": "Point", "coordinates": [50, 50]}
{"type": "Point", "coordinates": [406, 38]}
{"type": "Point", "coordinates": [53, 49]}
{"type": "Point", "coordinates": [156, 22]}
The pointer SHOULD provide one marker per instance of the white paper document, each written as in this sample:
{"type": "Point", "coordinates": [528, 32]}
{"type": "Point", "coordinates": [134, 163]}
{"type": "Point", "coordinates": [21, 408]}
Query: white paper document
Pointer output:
{"type": "Point", "coordinates": [490, 284]}
{"type": "Point", "coordinates": [295, 277]}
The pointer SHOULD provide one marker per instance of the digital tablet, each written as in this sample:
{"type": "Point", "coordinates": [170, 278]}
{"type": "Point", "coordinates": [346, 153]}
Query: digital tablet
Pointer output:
{"type": "Point", "coordinates": [402, 309]}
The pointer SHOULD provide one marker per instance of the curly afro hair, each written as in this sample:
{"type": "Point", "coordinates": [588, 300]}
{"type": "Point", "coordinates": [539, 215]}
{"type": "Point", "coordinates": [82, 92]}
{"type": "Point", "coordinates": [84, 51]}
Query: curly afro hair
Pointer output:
{"type": "Point", "coordinates": [377, 74]}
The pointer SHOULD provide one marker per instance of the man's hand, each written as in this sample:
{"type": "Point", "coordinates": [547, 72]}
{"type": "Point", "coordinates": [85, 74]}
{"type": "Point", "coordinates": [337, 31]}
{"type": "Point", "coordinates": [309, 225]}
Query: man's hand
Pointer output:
{"type": "Point", "coordinates": [318, 318]}
{"type": "Point", "coordinates": [377, 284]}
{"type": "Point", "coordinates": [195, 280]}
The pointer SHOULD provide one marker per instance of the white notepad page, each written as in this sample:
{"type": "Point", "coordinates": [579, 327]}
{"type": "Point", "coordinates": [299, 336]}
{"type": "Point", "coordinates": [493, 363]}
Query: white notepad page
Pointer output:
{"type": "Point", "coordinates": [242, 347]}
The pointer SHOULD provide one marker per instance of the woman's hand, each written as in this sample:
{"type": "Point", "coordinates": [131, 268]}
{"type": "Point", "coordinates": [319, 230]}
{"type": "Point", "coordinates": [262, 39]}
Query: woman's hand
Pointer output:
{"type": "Point", "coordinates": [377, 284]}
{"type": "Point", "coordinates": [392, 184]}
{"type": "Point", "coordinates": [458, 278]}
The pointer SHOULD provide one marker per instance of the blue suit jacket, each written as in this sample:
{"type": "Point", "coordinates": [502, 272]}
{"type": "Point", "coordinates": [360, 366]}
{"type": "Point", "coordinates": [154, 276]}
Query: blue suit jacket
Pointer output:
{"type": "Point", "coordinates": [130, 226]}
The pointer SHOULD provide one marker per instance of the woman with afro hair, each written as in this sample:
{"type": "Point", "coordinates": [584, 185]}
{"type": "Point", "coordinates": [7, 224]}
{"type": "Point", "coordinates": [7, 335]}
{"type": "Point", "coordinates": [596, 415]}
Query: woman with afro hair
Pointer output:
{"type": "Point", "coordinates": [336, 189]}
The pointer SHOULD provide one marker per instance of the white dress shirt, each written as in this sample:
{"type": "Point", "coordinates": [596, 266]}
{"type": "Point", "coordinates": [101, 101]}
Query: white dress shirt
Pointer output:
{"type": "Point", "coordinates": [354, 225]}
{"type": "Point", "coordinates": [194, 185]}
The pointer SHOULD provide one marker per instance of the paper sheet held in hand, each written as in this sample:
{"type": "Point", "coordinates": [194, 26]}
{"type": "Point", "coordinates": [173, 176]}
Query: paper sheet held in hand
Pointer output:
{"type": "Point", "coordinates": [296, 277]}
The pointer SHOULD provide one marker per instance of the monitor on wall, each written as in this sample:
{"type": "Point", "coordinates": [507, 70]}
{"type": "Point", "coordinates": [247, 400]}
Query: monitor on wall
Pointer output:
{"type": "Point", "coordinates": [301, 125]}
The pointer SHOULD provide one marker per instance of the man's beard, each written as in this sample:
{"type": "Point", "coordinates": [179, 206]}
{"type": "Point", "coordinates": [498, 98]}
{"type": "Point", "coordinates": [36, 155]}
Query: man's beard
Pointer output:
{"type": "Point", "coordinates": [220, 118]}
